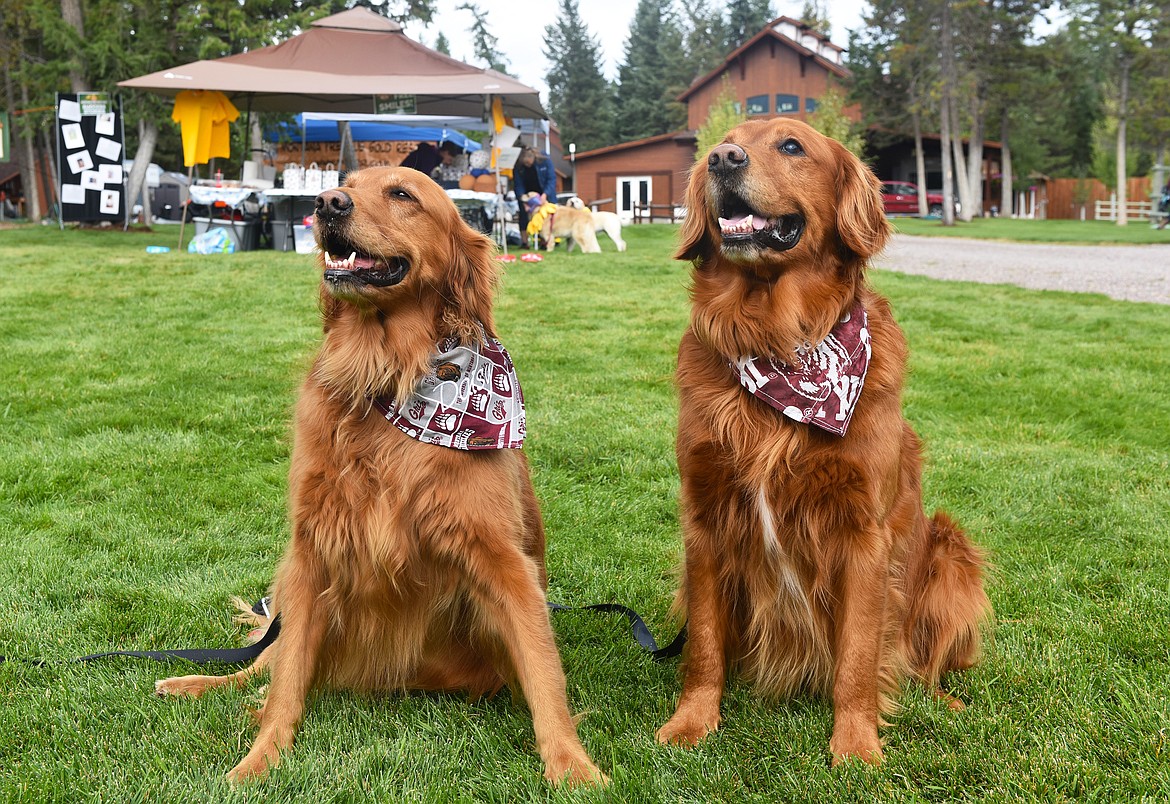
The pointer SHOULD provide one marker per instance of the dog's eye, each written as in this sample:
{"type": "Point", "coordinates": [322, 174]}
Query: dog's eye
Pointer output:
{"type": "Point", "coordinates": [398, 192]}
{"type": "Point", "coordinates": [792, 148]}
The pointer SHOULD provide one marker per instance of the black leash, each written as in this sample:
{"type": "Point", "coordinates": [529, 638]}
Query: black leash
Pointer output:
{"type": "Point", "coordinates": [195, 655]}
{"type": "Point", "coordinates": [638, 626]}
{"type": "Point", "coordinates": [249, 653]}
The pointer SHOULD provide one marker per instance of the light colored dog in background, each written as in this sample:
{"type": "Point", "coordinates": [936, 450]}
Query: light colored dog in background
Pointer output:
{"type": "Point", "coordinates": [575, 225]}
{"type": "Point", "coordinates": [607, 222]}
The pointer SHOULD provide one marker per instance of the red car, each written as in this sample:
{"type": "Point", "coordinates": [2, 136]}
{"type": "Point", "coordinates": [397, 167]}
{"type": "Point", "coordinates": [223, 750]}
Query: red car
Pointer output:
{"type": "Point", "coordinates": [901, 198]}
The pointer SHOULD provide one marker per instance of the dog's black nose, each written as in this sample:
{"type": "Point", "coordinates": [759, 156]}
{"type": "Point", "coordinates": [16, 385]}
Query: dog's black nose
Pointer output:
{"type": "Point", "coordinates": [333, 204]}
{"type": "Point", "coordinates": [727, 157]}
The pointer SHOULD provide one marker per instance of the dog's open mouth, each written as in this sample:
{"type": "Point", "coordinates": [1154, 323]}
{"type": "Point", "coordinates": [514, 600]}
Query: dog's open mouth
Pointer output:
{"type": "Point", "coordinates": [740, 225]}
{"type": "Point", "coordinates": [362, 269]}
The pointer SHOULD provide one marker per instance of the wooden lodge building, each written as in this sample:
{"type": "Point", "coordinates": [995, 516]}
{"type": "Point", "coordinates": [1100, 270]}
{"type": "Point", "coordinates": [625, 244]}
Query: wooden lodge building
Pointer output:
{"type": "Point", "coordinates": [781, 71]}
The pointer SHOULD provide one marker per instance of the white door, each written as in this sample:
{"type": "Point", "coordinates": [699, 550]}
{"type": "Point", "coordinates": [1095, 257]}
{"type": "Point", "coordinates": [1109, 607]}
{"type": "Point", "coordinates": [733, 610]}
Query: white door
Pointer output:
{"type": "Point", "coordinates": [631, 191]}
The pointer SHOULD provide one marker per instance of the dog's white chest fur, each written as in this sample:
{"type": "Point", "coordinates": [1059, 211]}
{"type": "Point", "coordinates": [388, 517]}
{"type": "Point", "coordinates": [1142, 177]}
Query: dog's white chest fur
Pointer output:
{"type": "Point", "coordinates": [791, 588]}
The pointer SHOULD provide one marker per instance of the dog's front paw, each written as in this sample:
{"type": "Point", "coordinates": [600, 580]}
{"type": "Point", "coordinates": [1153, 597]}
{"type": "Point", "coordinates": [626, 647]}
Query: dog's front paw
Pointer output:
{"type": "Point", "coordinates": [574, 772]}
{"type": "Point", "coordinates": [187, 686]}
{"type": "Point", "coordinates": [255, 766]}
{"type": "Point", "coordinates": [868, 748]}
{"type": "Point", "coordinates": [686, 729]}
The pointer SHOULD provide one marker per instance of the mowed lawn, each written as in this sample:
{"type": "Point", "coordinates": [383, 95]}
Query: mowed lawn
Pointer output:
{"type": "Point", "coordinates": [144, 442]}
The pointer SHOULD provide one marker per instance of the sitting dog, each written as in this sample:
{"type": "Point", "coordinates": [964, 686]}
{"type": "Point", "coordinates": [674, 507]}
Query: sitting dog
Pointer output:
{"type": "Point", "coordinates": [810, 563]}
{"type": "Point", "coordinates": [417, 552]}
{"type": "Point", "coordinates": [608, 222]}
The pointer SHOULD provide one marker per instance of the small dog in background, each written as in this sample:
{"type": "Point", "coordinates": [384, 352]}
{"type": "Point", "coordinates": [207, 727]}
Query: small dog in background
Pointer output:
{"type": "Point", "coordinates": [417, 553]}
{"type": "Point", "coordinates": [608, 222]}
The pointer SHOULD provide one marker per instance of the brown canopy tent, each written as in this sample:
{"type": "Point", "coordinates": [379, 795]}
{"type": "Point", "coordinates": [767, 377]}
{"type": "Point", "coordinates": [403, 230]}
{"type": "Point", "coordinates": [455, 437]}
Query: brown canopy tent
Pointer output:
{"type": "Point", "coordinates": [346, 63]}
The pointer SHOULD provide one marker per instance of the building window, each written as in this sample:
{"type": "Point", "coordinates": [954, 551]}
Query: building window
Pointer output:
{"type": "Point", "coordinates": [787, 104]}
{"type": "Point", "coordinates": [757, 104]}
{"type": "Point", "coordinates": [810, 105]}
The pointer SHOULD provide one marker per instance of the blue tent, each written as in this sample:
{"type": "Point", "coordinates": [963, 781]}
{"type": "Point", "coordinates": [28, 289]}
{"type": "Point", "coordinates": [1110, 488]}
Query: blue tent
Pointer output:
{"type": "Point", "coordinates": [364, 131]}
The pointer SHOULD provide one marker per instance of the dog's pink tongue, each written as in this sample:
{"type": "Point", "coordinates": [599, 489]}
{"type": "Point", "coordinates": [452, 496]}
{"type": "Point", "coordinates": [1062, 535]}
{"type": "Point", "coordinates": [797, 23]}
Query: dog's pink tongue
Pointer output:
{"type": "Point", "coordinates": [744, 223]}
{"type": "Point", "coordinates": [364, 263]}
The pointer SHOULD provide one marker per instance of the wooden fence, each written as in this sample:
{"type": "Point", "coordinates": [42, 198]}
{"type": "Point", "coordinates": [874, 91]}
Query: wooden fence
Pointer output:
{"type": "Point", "coordinates": [1134, 210]}
{"type": "Point", "coordinates": [1073, 199]}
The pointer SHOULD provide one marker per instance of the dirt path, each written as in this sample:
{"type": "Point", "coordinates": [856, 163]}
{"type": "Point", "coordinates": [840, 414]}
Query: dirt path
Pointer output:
{"type": "Point", "coordinates": [1131, 273]}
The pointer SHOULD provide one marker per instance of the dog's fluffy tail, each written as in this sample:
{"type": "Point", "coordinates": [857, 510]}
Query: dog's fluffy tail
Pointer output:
{"type": "Point", "coordinates": [949, 606]}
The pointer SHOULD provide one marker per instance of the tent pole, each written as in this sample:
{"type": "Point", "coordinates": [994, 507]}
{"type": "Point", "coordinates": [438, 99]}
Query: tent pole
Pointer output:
{"type": "Point", "coordinates": [246, 138]}
{"type": "Point", "coordinates": [186, 208]}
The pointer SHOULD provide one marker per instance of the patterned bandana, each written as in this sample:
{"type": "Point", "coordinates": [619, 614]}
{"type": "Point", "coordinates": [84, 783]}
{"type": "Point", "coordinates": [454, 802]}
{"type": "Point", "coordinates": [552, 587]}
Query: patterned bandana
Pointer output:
{"type": "Point", "coordinates": [823, 388]}
{"type": "Point", "coordinates": [470, 399]}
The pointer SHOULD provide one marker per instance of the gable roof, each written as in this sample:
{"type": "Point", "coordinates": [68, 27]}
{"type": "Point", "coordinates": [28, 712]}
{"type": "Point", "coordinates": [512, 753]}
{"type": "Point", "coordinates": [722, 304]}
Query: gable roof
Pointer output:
{"type": "Point", "coordinates": [339, 64]}
{"type": "Point", "coordinates": [683, 136]}
{"type": "Point", "coordinates": [791, 33]}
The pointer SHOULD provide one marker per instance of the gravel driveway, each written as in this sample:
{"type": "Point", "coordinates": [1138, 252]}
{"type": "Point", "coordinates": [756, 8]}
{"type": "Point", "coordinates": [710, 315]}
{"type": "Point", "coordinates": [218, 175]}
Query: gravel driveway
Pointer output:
{"type": "Point", "coordinates": [1130, 273]}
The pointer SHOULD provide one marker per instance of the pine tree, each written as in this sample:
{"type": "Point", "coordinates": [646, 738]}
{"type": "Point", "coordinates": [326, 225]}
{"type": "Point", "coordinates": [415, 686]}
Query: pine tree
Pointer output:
{"type": "Point", "coordinates": [815, 14]}
{"type": "Point", "coordinates": [578, 94]}
{"type": "Point", "coordinates": [442, 45]}
{"type": "Point", "coordinates": [745, 19]}
{"type": "Point", "coordinates": [486, 44]}
{"type": "Point", "coordinates": [652, 76]}
{"type": "Point", "coordinates": [703, 39]}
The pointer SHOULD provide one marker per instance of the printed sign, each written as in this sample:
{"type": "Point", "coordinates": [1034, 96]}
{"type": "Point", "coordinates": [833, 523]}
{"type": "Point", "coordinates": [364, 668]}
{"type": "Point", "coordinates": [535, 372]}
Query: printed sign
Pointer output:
{"type": "Point", "coordinates": [395, 104]}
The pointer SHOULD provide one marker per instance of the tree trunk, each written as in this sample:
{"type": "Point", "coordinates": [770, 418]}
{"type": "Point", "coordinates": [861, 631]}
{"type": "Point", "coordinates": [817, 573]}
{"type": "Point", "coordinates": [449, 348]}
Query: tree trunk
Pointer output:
{"type": "Point", "coordinates": [28, 167]}
{"type": "Point", "coordinates": [1122, 114]}
{"type": "Point", "coordinates": [960, 163]}
{"type": "Point", "coordinates": [948, 84]}
{"type": "Point", "coordinates": [147, 139]}
{"type": "Point", "coordinates": [349, 159]}
{"type": "Point", "coordinates": [1005, 190]}
{"type": "Point", "coordinates": [71, 14]}
{"type": "Point", "coordinates": [920, 166]}
{"type": "Point", "coordinates": [50, 162]}
{"type": "Point", "coordinates": [975, 158]}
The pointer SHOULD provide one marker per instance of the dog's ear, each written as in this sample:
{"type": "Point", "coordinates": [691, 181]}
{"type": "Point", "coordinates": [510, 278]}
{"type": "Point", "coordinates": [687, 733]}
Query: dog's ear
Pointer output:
{"type": "Point", "coordinates": [695, 238]}
{"type": "Point", "coordinates": [473, 275]}
{"type": "Point", "coordinates": [861, 219]}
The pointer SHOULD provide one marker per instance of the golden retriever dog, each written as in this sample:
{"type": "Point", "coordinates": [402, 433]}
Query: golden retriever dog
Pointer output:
{"type": "Point", "coordinates": [416, 559]}
{"type": "Point", "coordinates": [810, 565]}
{"type": "Point", "coordinates": [608, 222]}
{"type": "Point", "coordinates": [569, 223]}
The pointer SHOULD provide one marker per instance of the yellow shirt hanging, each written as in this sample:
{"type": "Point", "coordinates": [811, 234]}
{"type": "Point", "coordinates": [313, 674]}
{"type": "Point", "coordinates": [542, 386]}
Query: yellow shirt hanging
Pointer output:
{"type": "Point", "coordinates": [203, 117]}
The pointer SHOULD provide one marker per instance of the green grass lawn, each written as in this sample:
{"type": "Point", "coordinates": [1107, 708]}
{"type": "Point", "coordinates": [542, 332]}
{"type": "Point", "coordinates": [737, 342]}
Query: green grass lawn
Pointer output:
{"type": "Point", "coordinates": [1037, 231]}
{"type": "Point", "coordinates": [144, 406]}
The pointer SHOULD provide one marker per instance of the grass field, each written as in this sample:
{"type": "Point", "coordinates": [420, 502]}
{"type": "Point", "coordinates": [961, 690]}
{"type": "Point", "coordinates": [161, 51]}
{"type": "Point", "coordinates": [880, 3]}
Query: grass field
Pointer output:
{"type": "Point", "coordinates": [1055, 231]}
{"type": "Point", "coordinates": [144, 404]}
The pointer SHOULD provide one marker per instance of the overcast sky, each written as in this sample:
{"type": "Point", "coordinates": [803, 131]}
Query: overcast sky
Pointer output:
{"type": "Point", "coordinates": [519, 27]}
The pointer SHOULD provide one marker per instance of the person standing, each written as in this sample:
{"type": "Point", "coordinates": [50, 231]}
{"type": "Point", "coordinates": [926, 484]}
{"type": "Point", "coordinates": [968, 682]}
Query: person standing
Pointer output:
{"type": "Point", "coordinates": [533, 173]}
{"type": "Point", "coordinates": [1164, 205]}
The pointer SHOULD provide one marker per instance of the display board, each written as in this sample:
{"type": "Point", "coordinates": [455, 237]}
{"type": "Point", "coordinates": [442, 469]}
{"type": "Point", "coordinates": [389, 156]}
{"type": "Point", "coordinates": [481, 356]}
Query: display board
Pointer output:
{"type": "Point", "coordinates": [90, 151]}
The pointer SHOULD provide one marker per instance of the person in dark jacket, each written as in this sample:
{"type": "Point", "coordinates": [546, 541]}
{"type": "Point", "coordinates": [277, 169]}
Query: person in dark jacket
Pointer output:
{"type": "Point", "coordinates": [424, 158]}
{"type": "Point", "coordinates": [533, 173]}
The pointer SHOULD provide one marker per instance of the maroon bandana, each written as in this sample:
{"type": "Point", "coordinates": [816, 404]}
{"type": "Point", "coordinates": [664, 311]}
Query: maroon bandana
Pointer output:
{"type": "Point", "coordinates": [823, 388]}
{"type": "Point", "coordinates": [470, 399]}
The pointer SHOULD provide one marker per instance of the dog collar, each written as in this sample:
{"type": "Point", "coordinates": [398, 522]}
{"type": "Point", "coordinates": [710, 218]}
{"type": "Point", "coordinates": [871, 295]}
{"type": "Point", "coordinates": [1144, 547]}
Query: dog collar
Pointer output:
{"type": "Point", "coordinates": [822, 389]}
{"type": "Point", "coordinates": [470, 399]}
